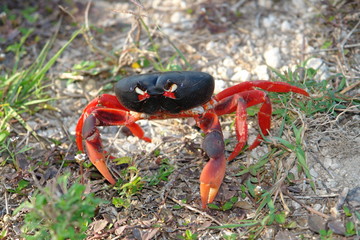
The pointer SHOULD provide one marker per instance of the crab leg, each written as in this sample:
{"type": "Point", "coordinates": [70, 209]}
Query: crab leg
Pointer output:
{"type": "Point", "coordinates": [94, 116]}
{"type": "Point", "coordinates": [105, 100]}
{"type": "Point", "coordinates": [239, 102]}
{"type": "Point", "coordinates": [265, 85]}
{"type": "Point", "coordinates": [213, 173]}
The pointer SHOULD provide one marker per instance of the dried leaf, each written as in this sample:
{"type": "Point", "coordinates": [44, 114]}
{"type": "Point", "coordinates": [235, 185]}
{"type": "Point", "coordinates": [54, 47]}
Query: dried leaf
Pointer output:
{"type": "Point", "coordinates": [316, 223]}
{"type": "Point", "coordinates": [120, 230]}
{"type": "Point", "coordinates": [337, 226]}
{"type": "Point", "coordinates": [99, 225]}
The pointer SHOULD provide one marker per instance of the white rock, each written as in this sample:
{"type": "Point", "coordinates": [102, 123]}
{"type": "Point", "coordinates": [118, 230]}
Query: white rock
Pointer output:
{"type": "Point", "coordinates": [210, 46]}
{"type": "Point", "coordinates": [265, 3]}
{"type": "Point", "coordinates": [269, 21]}
{"type": "Point", "coordinates": [299, 5]}
{"type": "Point", "coordinates": [241, 76]}
{"type": "Point", "coordinates": [285, 26]}
{"type": "Point", "coordinates": [317, 206]}
{"type": "Point", "coordinates": [176, 17]}
{"type": "Point", "coordinates": [219, 86]}
{"type": "Point", "coordinates": [319, 65]}
{"type": "Point", "coordinates": [272, 57]}
{"type": "Point", "coordinates": [229, 62]}
{"type": "Point", "coordinates": [313, 173]}
{"type": "Point", "coordinates": [261, 72]}
{"type": "Point", "coordinates": [224, 72]}
{"type": "Point", "coordinates": [327, 162]}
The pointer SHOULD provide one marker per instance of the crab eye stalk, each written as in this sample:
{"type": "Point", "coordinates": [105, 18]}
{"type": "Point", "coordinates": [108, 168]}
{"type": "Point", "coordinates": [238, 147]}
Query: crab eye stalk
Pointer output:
{"type": "Point", "coordinates": [170, 88]}
{"type": "Point", "coordinates": [142, 95]}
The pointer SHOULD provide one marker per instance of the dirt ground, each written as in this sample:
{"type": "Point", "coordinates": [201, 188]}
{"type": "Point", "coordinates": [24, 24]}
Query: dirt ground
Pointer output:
{"type": "Point", "coordinates": [235, 41]}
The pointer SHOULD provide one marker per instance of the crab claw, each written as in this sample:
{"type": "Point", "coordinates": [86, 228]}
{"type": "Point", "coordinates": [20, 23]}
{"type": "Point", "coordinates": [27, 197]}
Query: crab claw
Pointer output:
{"type": "Point", "coordinates": [213, 173]}
{"type": "Point", "coordinates": [94, 148]}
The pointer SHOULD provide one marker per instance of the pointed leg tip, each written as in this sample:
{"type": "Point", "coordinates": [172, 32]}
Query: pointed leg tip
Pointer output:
{"type": "Point", "coordinates": [208, 193]}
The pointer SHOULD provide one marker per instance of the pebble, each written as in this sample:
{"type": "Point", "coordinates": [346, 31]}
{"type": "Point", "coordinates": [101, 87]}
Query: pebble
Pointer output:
{"type": "Point", "coordinates": [269, 21]}
{"type": "Point", "coordinates": [224, 72]}
{"type": "Point", "coordinates": [219, 86]}
{"type": "Point", "coordinates": [300, 6]}
{"type": "Point", "coordinates": [313, 173]}
{"type": "Point", "coordinates": [286, 26]}
{"type": "Point", "coordinates": [319, 65]}
{"type": "Point", "coordinates": [241, 76]}
{"type": "Point", "coordinates": [177, 17]}
{"type": "Point", "coordinates": [327, 162]}
{"type": "Point", "coordinates": [261, 72]}
{"type": "Point", "coordinates": [229, 62]}
{"type": "Point", "coordinates": [272, 57]}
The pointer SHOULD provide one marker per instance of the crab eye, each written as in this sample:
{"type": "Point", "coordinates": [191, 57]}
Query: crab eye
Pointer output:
{"type": "Point", "coordinates": [170, 87]}
{"type": "Point", "coordinates": [173, 87]}
{"type": "Point", "coordinates": [139, 91]}
{"type": "Point", "coordinates": [142, 95]}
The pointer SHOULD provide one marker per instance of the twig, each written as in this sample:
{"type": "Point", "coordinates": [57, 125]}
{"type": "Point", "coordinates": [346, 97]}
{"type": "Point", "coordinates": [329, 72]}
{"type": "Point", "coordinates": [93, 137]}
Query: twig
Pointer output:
{"type": "Point", "coordinates": [350, 87]}
{"type": "Point", "coordinates": [6, 200]}
{"type": "Point", "coordinates": [195, 210]}
{"type": "Point", "coordinates": [306, 207]}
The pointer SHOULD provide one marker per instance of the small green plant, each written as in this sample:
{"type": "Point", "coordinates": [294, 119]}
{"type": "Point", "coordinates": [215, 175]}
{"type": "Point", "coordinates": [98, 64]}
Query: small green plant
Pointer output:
{"type": "Point", "coordinates": [299, 152]}
{"type": "Point", "coordinates": [226, 206]}
{"type": "Point", "coordinates": [59, 212]}
{"type": "Point", "coordinates": [188, 235]}
{"type": "Point", "coordinates": [21, 185]}
{"type": "Point", "coordinates": [231, 236]}
{"type": "Point", "coordinates": [326, 234]}
{"type": "Point", "coordinates": [128, 185]}
{"type": "Point", "coordinates": [163, 173]}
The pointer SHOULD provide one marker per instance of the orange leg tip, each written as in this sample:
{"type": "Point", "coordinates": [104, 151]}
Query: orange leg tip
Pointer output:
{"type": "Point", "coordinates": [208, 193]}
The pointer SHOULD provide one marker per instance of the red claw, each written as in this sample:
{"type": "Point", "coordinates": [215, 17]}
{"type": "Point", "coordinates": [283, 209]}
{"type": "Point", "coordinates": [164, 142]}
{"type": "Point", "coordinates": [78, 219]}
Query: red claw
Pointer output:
{"type": "Point", "coordinates": [211, 178]}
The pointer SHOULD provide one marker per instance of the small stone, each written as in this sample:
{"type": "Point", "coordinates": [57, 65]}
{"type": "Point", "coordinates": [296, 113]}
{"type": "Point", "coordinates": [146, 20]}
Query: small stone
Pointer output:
{"type": "Point", "coordinates": [219, 86]}
{"type": "Point", "coordinates": [265, 3]}
{"type": "Point", "coordinates": [285, 26]}
{"type": "Point", "coordinates": [176, 17]}
{"type": "Point", "coordinates": [224, 72]}
{"type": "Point", "coordinates": [261, 72]}
{"type": "Point", "coordinates": [327, 162]}
{"type": "Point", "coordinates": [272, 57]}
{"type": "Point", "coordinates": [313, 173]}
{"type": "Point", "coordinates": [319, 65]}
{"type": "Point", "coordinates": [269, 21]}
{"type": "Point", "coordinates": [241, 76]}
{"type": "Point", "coordinates": [317, 206]}
{"type": "Point", "coordinates": [229, 62]}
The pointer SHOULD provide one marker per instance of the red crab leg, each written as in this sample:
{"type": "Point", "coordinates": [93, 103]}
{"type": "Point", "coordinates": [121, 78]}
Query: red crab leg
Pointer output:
{"type": "Point", "coordinates": [105, 100]}
{"type": "Point", "coordinates": [265, 85]}
{"type": "Point", "coordinates": [112, 113]}
{"type": "Point", "coordinates": [213, 173]}
{"type": "Point", "coordinates": [240, 102]}
{"type": "Point", "coordinates": [106, 117]}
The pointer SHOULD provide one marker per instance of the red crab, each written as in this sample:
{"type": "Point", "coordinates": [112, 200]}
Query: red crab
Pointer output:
{"type": "Point", "coordinates": [173, 95]}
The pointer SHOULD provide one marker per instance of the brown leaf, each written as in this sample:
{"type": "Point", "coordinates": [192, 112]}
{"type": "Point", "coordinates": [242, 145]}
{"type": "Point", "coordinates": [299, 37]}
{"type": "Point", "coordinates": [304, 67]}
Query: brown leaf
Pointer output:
{"type": "Point", "coordinates": [120, 230]}
{"type": "Point", "coordinates": [243, 205]}
{"type": "Point", "coordinates": [316, 223]}
{"type": "Point", "coordinates": [337, 226]}
{"type": "Point", "coordinates": [99, 225]}
{"type": "Point", "coordinates": [285, 235]}
{"type": "Point", "coordinates": [150, 234]}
